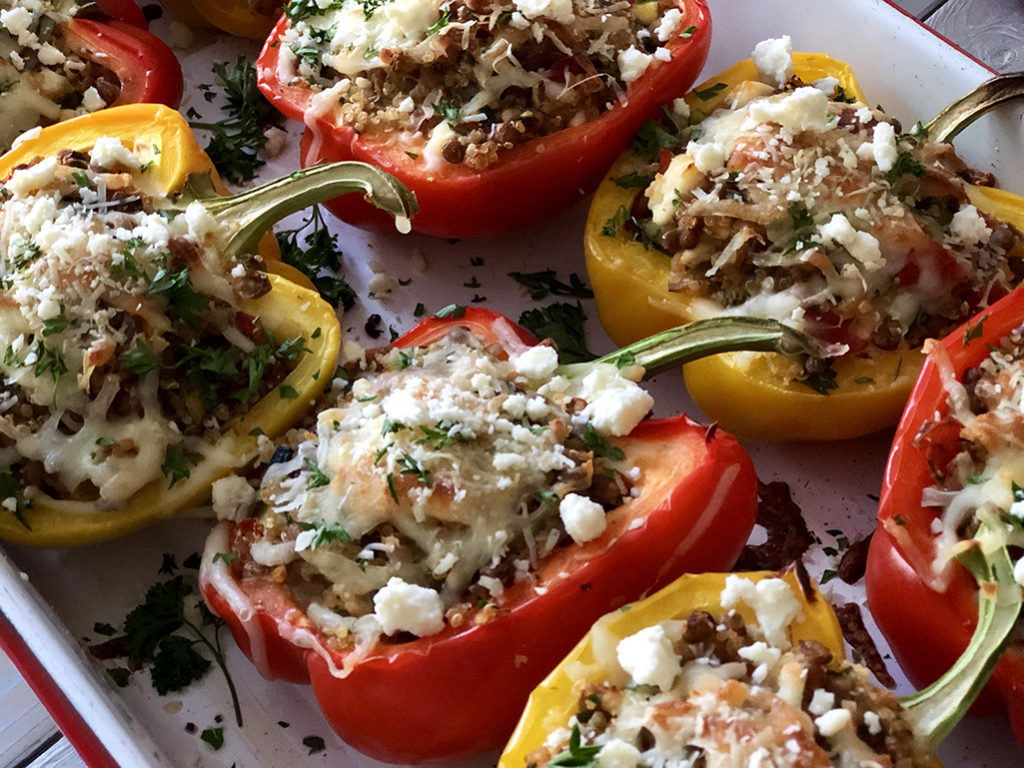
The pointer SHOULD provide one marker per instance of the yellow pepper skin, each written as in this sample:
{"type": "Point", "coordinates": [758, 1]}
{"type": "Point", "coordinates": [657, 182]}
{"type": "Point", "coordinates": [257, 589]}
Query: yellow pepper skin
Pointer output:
{"type": "Point", "coordinates": [555, 700]}
{"type": "Point", "coordinates": [235, 17]}
{"type": "Point", "coordinates": [287, 310]}
{"type": "Point", "coordinates": [751, 394]}
{"type": "Point", "coordinates": [148, 125]}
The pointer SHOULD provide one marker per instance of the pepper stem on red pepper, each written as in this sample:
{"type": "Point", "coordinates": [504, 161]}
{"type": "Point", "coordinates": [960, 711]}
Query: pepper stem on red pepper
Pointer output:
{"type": "Point", "coordinates": [953, 118]}
{"type": "Point", "coordinates": [701, 338]}
{"type": "Point", "coordinates": [943, 704]}
{"type": "Point", "coordinates": [259, 208]}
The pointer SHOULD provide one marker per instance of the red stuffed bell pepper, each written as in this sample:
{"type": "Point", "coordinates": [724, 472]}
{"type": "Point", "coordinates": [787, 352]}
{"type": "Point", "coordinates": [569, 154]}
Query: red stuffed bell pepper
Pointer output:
{"type": "Point", "coordinates": [496, 117]}
{"type": "Point", "coordinates": [956, 469]}
{"type": "Point", "coordinates": [525, 546]}
{"type": "Point", "coordinates": [65, 64]}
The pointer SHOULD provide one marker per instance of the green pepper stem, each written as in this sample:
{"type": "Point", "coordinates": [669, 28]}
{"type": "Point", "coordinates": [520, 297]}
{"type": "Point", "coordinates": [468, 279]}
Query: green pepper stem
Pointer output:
{"type": "Point", "coordinates": [944, 703]}
{"type": "Point", "coordinates": [945, 126]}
{"type": "Point", "coordinates": [701, 338]}
{"type": "Point", "coordinates": [259, 208]}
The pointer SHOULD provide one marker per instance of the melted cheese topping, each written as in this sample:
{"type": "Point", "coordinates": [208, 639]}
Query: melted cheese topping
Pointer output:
{"type": "Point", "coordinates": [797, 206]}
{"type": "Point", "coordinates": [984, 481]}
{"type": "Point", "coordinates": [460, 82]}
{"type": "Point", "coordinates": [446, 471]}
{"type": "Point", "coordinates": [105, 302]}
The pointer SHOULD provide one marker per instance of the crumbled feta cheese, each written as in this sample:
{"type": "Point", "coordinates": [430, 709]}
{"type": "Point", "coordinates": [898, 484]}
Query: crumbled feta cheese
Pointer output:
{"type": "Point", "coordinates": [774, 60]}
{"type": "Point", "coordinates": [632, 64]}
{"type": "Point", "coordinates": [113, 155]}
{"type": "Point", "coordinates": [556, 10]}
{"type": "Point", "coordinates": [232, 497]}
{"type": "Point", "coordinates": [805, 109]}
{"type": "Point", "coordinates": [583, 518]}
{"type": "Point", "coordinates": [614, 405]}
{"type": "Point", "coordinates": [648, 656]}
{"type": "Point", "coordinates": [863, 246]}
{"type": "Point", "coordinates": [832, 722]}
{"type": "Point", "coordinates": [821, 702]}
{"type": "Point", "coordinates": [969, 227]}
{"type": "Point", "coordinates": [536, 363]}
{"type": "Point", "coordinates": [669, 24]}
{"type": "Point", "coordinates": [772, 600]}
{"type": "Point", "coordinates": [404, 607]}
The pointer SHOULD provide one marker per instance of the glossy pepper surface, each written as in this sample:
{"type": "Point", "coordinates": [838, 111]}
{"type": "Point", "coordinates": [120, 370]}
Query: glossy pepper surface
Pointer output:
{"type": "Point", "coordinates": [460, 691]}
{"type": "Point", "coordinates": [751, 395]}
{"type": "Point", "coordinates": [148, 70]}
{"type": "Point", "coordinates": [287, 310]}
{"type": "Point", "coordinates": [927, 619]}
{"type": "Point", "coordinates": [246, 18]}
{"type": "Point", "coordinates": [555, 700]}
{"type": "Point", "coordinates": [532, 182]}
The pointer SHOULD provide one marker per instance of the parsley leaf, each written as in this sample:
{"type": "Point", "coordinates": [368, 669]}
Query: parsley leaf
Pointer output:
{"type": "Point", "coordinates": [544, 283]}
{"type": "Point", "coordinates": [563, 323]}
{"type": "Point", "coordinates": [140, 360]}
{"type": "Point", "coordinates": [176, 461]}
{"type": "Point", "coordinates": [600, 445]}
{"type": "Point", "coordinates": [213, 736]}
{"type": "Point", "coordinates": [237, 139]}
{"type": "Point", "coordinates": [577, 755]}
{"type": "Point", "coordinates": [318, 258]}
{"type": "Point", "coordinates": [905, 164]}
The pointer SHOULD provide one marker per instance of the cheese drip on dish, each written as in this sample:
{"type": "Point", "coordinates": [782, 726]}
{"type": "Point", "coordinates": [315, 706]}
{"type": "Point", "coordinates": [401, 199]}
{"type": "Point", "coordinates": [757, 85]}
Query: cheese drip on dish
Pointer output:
{"type": "Point", "coordinates": [124, 347]}
{"type": "Point", "coordinates": [715, 692]}
{"type": "Point", "coordinates": [793, 203]}
{"type": "Point", "coordinates": [463, 81]}
{"type": "Point", "coordinates": [440, 477]}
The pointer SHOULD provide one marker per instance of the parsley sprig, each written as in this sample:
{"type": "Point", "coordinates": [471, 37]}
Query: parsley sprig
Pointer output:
{"type": "Point", "coordinates": [161, 634]}
{"type": "Point", "coordinates": [237, 139]}
{"type": "Point", "coordinates": [318, 257]}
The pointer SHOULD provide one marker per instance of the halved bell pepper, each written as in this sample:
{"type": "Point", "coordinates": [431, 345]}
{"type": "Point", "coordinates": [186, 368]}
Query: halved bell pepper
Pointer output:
{"type": "Point", "coordinates": [529, 183]}
{"type": "Point", "coordinates": [146, 67]}
{"type": "Point", "coordinates": [459, 692]}
{"type": "Point", "coordinates": [933, 712]}
{"type": "Point", "coordinates": [928, 615]}
{"type": "Point", "coordinates": [751, 395]}
{"type": "Point", "coordinates": [177, 168]}
{"type": "Point", "coordinates": [556, 699]}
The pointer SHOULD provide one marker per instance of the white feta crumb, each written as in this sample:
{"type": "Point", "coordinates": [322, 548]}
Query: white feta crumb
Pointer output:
{"type": "Point", "coordinates": [968, 226]}
{"type": "Point", "coordinates": [821, 702]}
{"type": "Point", "coordinates": [832, 722]}
{"type": "Point", "coordinates": [774, 60]}
{"type": "Point", "coordinates": [772, 600]}
{"type": "Point", "coordinates": [863, 246]}
{"type": "Point", "coordinates": [632, 64]}
{"type": "Point", "coordinates": [232, 497]}
{"type": "Point", "coordinates": [583, 518]}
{"type": "Point", "coordinates": [537, 363]}
{"type": "Point", "coordinates": [404, 607]}
{"type": "Point", "coordinates": [648, 656]}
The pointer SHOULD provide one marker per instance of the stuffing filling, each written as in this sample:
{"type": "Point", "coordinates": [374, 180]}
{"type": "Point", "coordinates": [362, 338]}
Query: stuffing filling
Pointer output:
{"type": "Point", "coordinates": [43, 79]}
{"type": "Point", "coordinates": [979, 476]}
{"type": "Point", "coordinates": [714, 691]}
{"type": "Point", "coordinates": [462, 81]}
{"type": "Point", "coordinates": [794, 203]}
{"type": "Point", "coordinates": [124, 346]}
{"type": "Point", "coordinates": [433, 481]}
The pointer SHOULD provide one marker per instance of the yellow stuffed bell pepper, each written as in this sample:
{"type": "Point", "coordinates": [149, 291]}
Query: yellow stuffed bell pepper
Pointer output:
{"type": "Point", "coordinates": [730, 667]}
{"type": "Point", "coordinates": [145, 351]}
{"type": "Point", "coordinates": [246, 18]}
{"type": "Point", "coordinates": [630, 240]}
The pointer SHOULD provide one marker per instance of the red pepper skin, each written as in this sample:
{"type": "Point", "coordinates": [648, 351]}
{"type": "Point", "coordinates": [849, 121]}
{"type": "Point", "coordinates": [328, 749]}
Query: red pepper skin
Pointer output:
{"type": "Point", "coordinates": [927, 629]}
{"type": "Point", "coordinates": [531, 182]}
{"type": "Point", "coordinates": [147, 68]}
{"type": "Point", "coordinates": [460, 692]}
{"type": "Point", "coordinates": [124, 10]}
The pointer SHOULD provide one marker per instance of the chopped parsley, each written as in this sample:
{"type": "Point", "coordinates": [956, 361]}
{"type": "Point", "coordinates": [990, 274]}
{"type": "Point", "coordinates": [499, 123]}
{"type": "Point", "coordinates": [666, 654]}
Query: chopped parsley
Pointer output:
{"type": "Point", "coordinates": [905, 164]}
{"type": "Point", "coordinates": [236, 140]}
{"type": "Point", "coordinates": [563, 323]}
{"type": "Point", "coordinates": [600, 445]}
{"type": "Point", "coordinates": [318, 258]}
{"type": "Point", "coordinates": [545, 283]}
{"type": "Point", "coordinates": [176, 463]}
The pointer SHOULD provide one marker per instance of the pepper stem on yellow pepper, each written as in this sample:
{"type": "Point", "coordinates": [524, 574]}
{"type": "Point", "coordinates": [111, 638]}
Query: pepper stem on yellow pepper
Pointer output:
{"type": "Point", "coordinates": [257, 209]}
{"type": "Point", "coordinates": [952, 119]}
{"type": "Point", "coordinates": [701, 338]}
{"type": "Point", "coordinates": [943, 704]}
